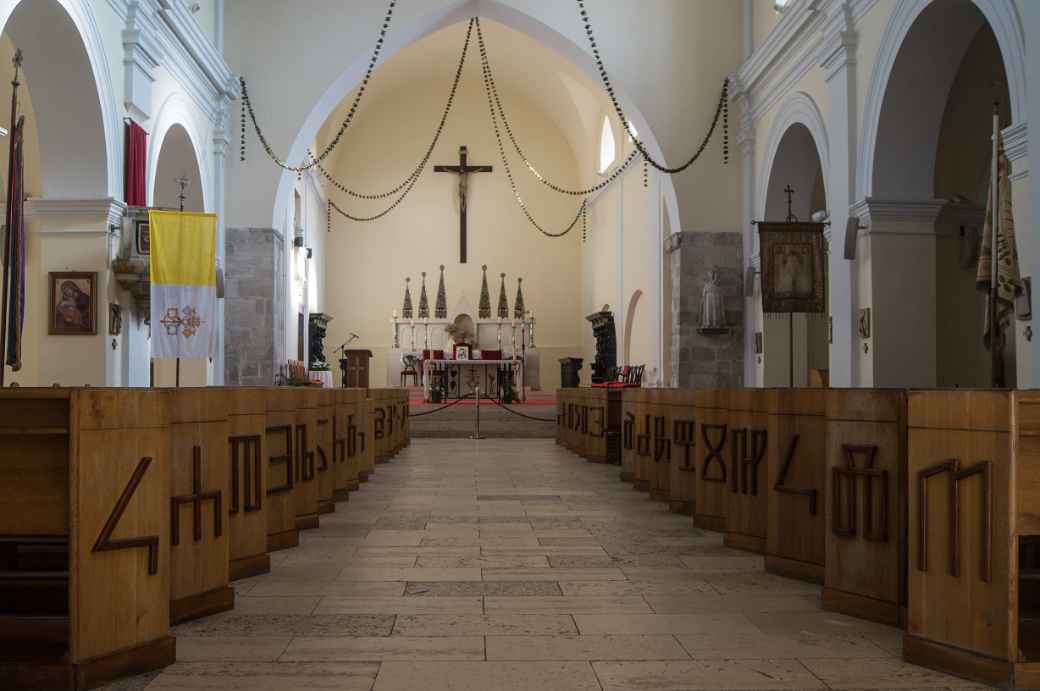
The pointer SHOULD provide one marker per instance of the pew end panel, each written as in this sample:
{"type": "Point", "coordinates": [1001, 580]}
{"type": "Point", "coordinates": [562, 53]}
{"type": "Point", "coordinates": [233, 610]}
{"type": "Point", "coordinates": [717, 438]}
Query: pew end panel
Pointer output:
{"type": "Point", "coordinates": [796, 481]}
{"type": "Point", "coordinates": [865, 504]}
{"type": "Point", "coordinates": [972, 461]}
{"type": "Point", "coordinates": [747, 506]}
{"type": "Point", "coordinates": [200, 495]}
{"type": "Point", "coordinates": [325, 459]}
{"type": "Point", "coordinates": [682, 427]}
{"type": "Point", "coordinates": [247, 505]}
{"type": "Point", "coordinates": [84, 513]}
{"type": "Point", "coordinates": [713, 442]}
{"type": "Point", "coordinates": [343, 451]}
{"type": "Point", "coordinates": [305, 457]}
{"type": "Point", "coordinates": [659, 467]}
{"type": "Point", "coordinates": [280, 434]}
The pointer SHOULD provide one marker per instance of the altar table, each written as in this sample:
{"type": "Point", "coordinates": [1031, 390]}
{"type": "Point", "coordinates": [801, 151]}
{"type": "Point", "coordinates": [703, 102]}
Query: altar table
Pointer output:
{"type": "Point", "coordinates": [464, 376]}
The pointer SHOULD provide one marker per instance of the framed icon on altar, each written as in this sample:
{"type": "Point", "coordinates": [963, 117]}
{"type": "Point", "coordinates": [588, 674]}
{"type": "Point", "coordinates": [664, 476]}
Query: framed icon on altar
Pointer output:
{"type": "Point", "coordinates": [462, 353]}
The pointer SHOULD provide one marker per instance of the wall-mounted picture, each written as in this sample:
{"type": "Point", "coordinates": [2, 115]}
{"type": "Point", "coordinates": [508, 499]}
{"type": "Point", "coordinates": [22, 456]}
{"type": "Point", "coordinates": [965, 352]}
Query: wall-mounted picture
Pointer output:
{"type": "Point", "coordinates": [143, 238]}
{"type": "Point", "coordinates": [462, 353]}
{"type": "Point", "coordinates": [115, 320]}
{"type": "Point", "coordinates": [73, 303]}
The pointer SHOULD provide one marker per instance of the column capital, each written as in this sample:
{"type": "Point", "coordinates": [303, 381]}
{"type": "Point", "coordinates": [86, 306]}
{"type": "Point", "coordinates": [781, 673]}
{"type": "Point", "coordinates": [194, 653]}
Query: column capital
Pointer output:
{"type": "Point", "coordinates": [79, 216]}
{"type": "Point", "coordinates": [886, 215]}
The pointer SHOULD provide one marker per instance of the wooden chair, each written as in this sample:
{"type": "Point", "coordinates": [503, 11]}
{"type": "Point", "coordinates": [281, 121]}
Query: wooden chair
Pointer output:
{"type": "Point", "coordinates": [409, 369]}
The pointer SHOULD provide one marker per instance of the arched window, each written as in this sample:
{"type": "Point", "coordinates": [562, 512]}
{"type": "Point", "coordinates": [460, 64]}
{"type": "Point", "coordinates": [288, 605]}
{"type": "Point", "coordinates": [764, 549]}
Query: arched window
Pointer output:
{"type": "Point", "coordinates": [607, 146]}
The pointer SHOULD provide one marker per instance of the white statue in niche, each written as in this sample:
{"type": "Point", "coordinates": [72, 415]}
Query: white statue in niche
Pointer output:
{"type": "Point", "coordinates": [713, 312]}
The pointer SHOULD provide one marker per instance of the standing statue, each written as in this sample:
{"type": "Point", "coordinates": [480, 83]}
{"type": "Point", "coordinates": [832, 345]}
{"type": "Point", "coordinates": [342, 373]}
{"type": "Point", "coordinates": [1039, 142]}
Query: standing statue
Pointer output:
{"type": "Point", "coordinates": [713, 311]}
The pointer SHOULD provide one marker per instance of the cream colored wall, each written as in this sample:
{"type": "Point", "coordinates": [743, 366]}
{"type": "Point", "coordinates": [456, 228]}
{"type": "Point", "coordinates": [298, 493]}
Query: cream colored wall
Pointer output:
{"type": "Point", "coordinates": [368, 262]}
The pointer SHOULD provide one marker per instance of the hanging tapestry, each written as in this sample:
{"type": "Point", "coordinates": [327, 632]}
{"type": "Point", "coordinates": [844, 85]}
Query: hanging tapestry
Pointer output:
{"type": "Point", "coordinates": [794, 267]}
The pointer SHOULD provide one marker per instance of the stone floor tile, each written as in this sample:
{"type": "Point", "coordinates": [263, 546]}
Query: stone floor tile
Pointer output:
{"type": "Point", "coordinates": [553, 575]}
{"type": "Point", "coordinates": [567, 605]}
{"type": "Point", "coordinates": [321, 588]}
{"type": "Point", "coordinates": [705, 674]}
{"type": "Point", "coordinates": [523, 561]}
{"type": "Point", "coordinates": [379, 649]}
{"type": "Point", "coordinates": [232, 625]}
{"type": "Point", "coordinates": [361, 573]}
{"type": "Point", "coordinates": [231, 649]}
{"type": "Point", "coordinates": [485, 676]}
{"type": "Point", "coordinates": [717, 624]}
{"type": "Point", "coordinates": [265, 676]}
{"type": "Point", "coordinates": [484, 625]}
{"type": "Point", "coordinates": [295, 604]}
{"type": "Point", "coordinates": [584, 648]}
{"type": "Point", "coordinates": [753, 645]}
{"type": "Point", "coordinates": [400, 605]}
{"type": "Point", "coordinates": [878, 673]}
{"type": "Point", "coordinates": [459, 588]}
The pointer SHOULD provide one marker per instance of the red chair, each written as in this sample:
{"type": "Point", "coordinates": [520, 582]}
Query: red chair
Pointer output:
{"type": "Point", "coordinates": [491, 355]}
{"type": "Point", "coordinates": [617, 374]}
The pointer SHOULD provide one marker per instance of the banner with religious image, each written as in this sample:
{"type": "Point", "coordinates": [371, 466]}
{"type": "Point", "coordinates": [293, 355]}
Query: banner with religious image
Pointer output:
{"type": "Point", "coordinates": [184, 283]}
{"type": "Point", "coordinates": [794, 267]}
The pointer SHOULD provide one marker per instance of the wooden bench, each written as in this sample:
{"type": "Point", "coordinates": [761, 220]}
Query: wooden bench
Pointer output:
{"type": "Point", "coordinates": [84, 511]}
{"type": "Point", "coordinates": [247, 500]}
{"type": "Point", "coordinates": [713, 440]}
{"type": "Point", "coordinates": [682, 426]}
{"type": "Point", "coordinates": [974, 519]}
{"type": "Point", "coordinates": [280, 434]}
{"type": "Point", "coordinates": [658, 467]}
{"type": "Point", "coordinates": [747, 507]}
{"type": "Point", "coordinates": [324, 403]}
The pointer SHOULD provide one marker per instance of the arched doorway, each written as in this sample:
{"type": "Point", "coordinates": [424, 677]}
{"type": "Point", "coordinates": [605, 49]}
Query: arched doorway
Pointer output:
{"type": "Point", "coordinates": [177, 183]}
{"type": "Point", "coordinates": [71, 175]}
{"type": "Point", "coordinates": [796, 152]}
{"type": "Point", "coordinates": [925, 180]}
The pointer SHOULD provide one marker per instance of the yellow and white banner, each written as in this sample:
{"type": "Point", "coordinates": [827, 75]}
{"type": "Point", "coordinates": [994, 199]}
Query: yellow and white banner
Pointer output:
{"type": "Point", "coordinates": [184, 283]}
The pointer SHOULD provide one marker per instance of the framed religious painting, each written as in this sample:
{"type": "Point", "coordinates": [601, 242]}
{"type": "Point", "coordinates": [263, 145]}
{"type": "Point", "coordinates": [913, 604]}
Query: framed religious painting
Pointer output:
{"type": "Point", "coordinates": [462, 353]}
{"type": "Point", "coordinates": [794, 267]}
{"type": "Point", "coordinates": [73, 303]}
{"type": "Point", "coordinates": [143, 238]}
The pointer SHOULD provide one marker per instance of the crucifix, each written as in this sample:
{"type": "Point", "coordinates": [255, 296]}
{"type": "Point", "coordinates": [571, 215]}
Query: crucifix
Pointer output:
{"type": "Point", "coordinates": [462, 170]}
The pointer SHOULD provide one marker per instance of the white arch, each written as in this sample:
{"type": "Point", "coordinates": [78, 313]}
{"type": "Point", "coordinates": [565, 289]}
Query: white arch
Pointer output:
{"type": "Point", "coordinates": [798, 109]}
{"type": "Point", "coordinates": [177, 110]}
{"type": "Point", "coordinates": [461, 11]}
{"type": "Point", "coordinates": [86, 24]}
{"type": "Point", "coordinates": [1006, 24]}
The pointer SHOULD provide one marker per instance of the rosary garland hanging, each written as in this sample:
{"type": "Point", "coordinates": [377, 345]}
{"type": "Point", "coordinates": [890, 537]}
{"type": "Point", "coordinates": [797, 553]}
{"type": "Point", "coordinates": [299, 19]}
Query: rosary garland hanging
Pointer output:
{"type": "Point", "coordinates": [248, 107]}
{"type": "Point", "coordinates": [409, 182]}
{"type": "Point", "coordinates": [722, 109]}
{"type": "Point", "coordinates": [490, 80]}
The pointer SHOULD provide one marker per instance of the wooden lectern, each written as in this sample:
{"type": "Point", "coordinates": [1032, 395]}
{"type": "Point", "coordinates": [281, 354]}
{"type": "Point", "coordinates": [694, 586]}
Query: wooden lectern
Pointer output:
{"type": "Point", "coordinates": [354, 365]}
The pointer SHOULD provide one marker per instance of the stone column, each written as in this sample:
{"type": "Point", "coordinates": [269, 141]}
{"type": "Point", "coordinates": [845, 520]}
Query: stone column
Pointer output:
{"type": "Point", "coordinates": [255, 306]}
{"type": "Point", "coordinates": [699, 360]}
{"type": "Point", "coordinates": [838, 60]}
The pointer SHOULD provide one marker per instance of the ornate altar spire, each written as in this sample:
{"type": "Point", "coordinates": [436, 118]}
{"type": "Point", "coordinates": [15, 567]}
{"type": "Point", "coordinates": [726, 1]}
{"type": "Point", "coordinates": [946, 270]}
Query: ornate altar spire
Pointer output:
{"type": "Point", "coordinates": [503, 302]}
{"type": "Point", "coordinates": [518, 304]}
{"type": "Point", "coordinates": [441, 311]}
{"type": "Point", "coordinates": [406, 310]}
{"type": "Point", "coordinates": [424, 302]}
{"type": "Point", "coordinates": [484, 311]}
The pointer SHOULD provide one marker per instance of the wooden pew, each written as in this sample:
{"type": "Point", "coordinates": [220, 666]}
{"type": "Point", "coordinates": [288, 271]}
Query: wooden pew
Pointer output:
{"type": "Point", "coordinates": [683, 429]}
{"type": "Point", "coordinates": [200, 495]}
{"type": "Point", "coordinates": [84, 510]}
{"type": "Point", "coordinates": [382, 424]}
{"type": "Point", "coordinates": [325, 405]}
{"type": "Point", "coordinates": [629, 458]}
{"type": "Point", "coordinates": [747, 508]}
{"type": "Point", "coordinates": [974, 496]}
{"type": "Point", "coordinates": [280, 435]}
{"type": "Point", "coordinates": [367, 434]}
{"type": "Point", "coordinates": [642, 436]}
{"type": "Point", "coordinates": [305, 456]}
{"type": "Point", "coordinates": [659, 466]}
{"type": "Point", "coordinates": [344, 443]}
{"type": "Point", "coordinates": [713, 441]}
{"type": "Point", "coordinates": [796, 482]}
{"type": "Point", "coordinates": [865, 509]}
{"type": "Point", "coordinates": [247, 520]}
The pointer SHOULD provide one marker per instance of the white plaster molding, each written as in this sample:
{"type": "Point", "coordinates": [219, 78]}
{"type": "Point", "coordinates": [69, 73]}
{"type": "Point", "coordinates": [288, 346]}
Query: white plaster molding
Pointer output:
{"type": "Point", "coordinates": [177, 17]}
{"type": "Point", "coordinates": [1016, 141]}
{"type": "Point", "coordinates": [107, 211]}
{"type": "Point", "coordinates": [837, 48]}
{"type": "Point", "coordinates": [799, 108]}
{"type": "Point", "coordinates": [1003, 19]}
{"type": "Point", "coordinates": [142, 53]}
{"type": "Point", "coordinates": [895, 211]}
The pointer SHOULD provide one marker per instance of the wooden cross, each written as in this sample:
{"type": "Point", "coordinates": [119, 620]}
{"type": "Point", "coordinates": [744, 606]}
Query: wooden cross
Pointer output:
{"type": "Point", "coordinates": [462, 170]}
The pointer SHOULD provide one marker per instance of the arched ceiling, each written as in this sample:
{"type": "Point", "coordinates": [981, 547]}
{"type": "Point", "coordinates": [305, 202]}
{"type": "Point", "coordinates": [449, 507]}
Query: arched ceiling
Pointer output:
{"type": "Point", "coordinates": [523, 69]}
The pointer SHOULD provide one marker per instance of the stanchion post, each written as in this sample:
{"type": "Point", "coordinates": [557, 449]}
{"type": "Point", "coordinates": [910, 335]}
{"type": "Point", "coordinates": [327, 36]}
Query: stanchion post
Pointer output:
{"type": "Point", "coordinates": [477, 394]}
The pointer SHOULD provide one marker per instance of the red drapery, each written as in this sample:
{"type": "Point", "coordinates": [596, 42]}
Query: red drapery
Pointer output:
{"type": "Point", "coordinates": [136, 166]}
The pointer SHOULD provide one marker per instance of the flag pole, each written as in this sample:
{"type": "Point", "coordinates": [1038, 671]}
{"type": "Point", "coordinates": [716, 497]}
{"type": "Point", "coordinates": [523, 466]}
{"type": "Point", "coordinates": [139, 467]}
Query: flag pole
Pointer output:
{"type": "Point", "coordinates": [996, 365]}
{"type": "Point", "coordinates": [8, 231]}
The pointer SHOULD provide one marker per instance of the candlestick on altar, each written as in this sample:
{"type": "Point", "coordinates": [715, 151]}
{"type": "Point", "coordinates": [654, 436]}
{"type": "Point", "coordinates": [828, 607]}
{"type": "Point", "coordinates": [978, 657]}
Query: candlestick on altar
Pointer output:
{"type": "Point", "coordinates": [532, 331]}
{"type": "Point", "coordinates": [500, 334]}
{"type": "Point", "coordinates": [413, 335]}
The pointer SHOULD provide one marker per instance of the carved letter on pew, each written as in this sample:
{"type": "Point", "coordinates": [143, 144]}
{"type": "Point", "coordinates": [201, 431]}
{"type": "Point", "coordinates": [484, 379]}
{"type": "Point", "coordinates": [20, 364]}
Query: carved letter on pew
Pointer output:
{"type": "Point", "coordinates": [246, 450]}
{"type": "Point", "coordinates": [714, 451]}
{"type": "Point", "coordinates": [339, 446]}
{"type": "Point", "coordinates": [781, 481]}
{"type": "Point", "coordinates": [321, 452]}
{"type": "Point", "coordinates": [683, 435]}
{"type": "Point", "coordinates": [643, 438]}
{"type": "Point", "coordinates": [662, 444]}
{"type": "Point", "coordinates": [304, 458]}
{"type": "Point", "coordinates": [747, 457]}
{"type": "Point", "coordinates": [352, 437]}
{"type": "Point", "coordinates": [845, 490]}
{"type": "Point", "coordinates": [286, 460]}
{"type": "Point", "coordinates": [105, 543]}
{"type": "Point", "coordinates": [196, 498]}
{"type": "Point", "coordinates": [953, 467]}
{"type": "Point", "coordinates": [628, 431]}
{"type": "Point", "coordinates": [601, 428]}
{"type": "Point", "coordinates": [380, 422]}
{"type": "Point", "coordinates": [584, 418]}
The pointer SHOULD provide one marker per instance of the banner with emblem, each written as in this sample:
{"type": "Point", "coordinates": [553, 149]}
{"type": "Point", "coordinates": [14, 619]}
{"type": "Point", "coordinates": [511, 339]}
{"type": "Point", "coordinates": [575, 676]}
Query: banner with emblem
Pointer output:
{"type": "Point", "coordinates": [184, 283]}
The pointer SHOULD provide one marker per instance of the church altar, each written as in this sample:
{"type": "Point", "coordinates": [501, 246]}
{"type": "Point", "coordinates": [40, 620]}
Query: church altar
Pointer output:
{"type": "Point", "coordinates": [462, 377]}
